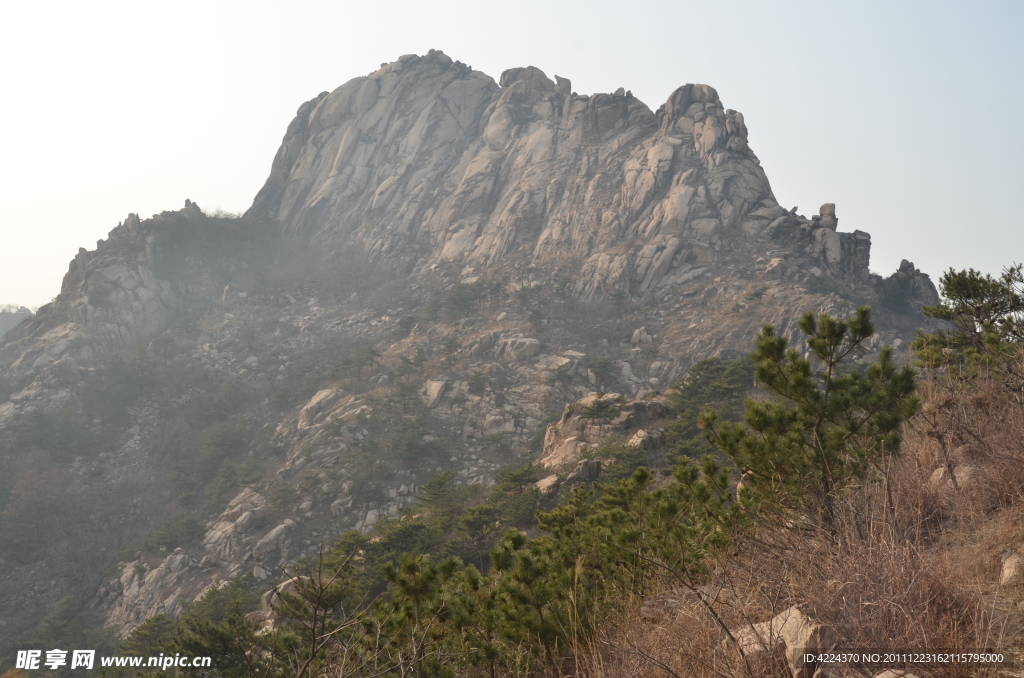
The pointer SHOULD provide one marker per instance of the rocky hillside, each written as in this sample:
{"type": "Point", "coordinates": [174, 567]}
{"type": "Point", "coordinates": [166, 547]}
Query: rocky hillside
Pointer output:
{"type": "Point", "coordinates": [436, 267]}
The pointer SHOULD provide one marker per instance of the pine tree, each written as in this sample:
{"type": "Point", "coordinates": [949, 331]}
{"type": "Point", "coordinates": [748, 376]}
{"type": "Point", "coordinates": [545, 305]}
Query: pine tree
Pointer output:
{"type": "Point", "coordinates": [450, 349]}
{"type": "Point", "coordinates": [829, 422]}
{"type": "Point", "coordinates": [987, 318]}
{"type": "Point", "coordinates": [418, 612]}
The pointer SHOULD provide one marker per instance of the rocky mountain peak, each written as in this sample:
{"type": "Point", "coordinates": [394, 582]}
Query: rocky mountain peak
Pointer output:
{"type": "Point", "coordinates": [427, 162]}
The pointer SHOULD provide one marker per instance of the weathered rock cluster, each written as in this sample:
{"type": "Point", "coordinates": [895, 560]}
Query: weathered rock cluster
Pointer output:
{"type": "Point", "coordinates": [636, 421]}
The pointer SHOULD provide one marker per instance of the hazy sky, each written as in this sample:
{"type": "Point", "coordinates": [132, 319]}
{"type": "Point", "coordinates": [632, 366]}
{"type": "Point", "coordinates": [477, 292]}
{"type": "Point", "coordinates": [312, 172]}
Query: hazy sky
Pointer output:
{"type": "Point", "coordinates": [907, 115]}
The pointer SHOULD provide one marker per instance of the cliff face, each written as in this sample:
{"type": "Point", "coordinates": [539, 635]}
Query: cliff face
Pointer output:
{"type": "Point", "coordinates": [426, 162]}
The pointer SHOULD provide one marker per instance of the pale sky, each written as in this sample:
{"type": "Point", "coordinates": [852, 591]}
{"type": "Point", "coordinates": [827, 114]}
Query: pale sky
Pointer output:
{"type": "Point", "coordinates": [907, 115]}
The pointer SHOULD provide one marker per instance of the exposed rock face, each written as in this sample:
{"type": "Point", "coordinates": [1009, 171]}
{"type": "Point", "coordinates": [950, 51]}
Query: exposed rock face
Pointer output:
{"type": "Point", "coordinates": [269, 617]}
{"type": "Point", "coordinates": [426, 161]}
{"type": "Point", "coordinates": [909, 287]}
{"type": "Point", "coordinates": [516, 348]}
{"type": "Point", "coordinates": [841, 255]}
{"type": "Point", "coordinates": [107, 300]}
{"type": "Point", "coordinates": [432, 392]}
{"type": "Point", "coordinates": [138, 594]}
{"type": "Point", "coordinates": [271, 542]}
{"type": "Point", "coordinates": [588, 421]}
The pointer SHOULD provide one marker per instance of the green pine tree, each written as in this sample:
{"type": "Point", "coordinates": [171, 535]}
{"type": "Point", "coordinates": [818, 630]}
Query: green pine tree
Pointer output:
{"type": "Point", "coordinates": [830, 422]}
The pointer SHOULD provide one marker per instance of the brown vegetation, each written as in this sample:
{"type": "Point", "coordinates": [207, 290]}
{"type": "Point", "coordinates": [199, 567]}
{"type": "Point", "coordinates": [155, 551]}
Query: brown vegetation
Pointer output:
{"type": "Point", "coordinates": [915, 564]}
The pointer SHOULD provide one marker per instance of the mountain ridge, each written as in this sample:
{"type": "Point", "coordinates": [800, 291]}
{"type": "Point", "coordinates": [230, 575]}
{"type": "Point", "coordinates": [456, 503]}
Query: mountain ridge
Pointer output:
{"type": "Point", "coordinates": [426, 164]}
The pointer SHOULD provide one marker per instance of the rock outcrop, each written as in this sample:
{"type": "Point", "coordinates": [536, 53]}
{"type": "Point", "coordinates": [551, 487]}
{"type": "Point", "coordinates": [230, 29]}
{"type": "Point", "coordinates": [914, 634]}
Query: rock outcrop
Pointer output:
{"type": "Point", "coordinates": [593, 418]}
{"type": "Point", "coordinates": [426, 162]}
{"type": "Point", "coordinates": [139, 593]}
{"type": "Point", "coordinates": [144, 276]}
{"type": "Point", "coordinates": [908, 289]}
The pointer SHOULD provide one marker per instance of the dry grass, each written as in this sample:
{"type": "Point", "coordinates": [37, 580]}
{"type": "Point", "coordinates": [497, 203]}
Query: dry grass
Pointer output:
{"type": "Point", "coordinates": [915, 563]}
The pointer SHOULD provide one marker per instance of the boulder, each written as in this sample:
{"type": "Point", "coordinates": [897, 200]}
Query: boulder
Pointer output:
{"type": "Point", "coordinates": [941, 479]}
{"type": "Point", "coordinates": [562, 453]}
{"type": "Point", "coordinates": [790, 629]}
{"type": "Point", "coordinates": [1012, 570]}
{"type": "Point", "coordinates": [371, 519]}
{"type": "Point", "coordinates": [640, 440]}
{"type": "Point", "coordinates": [272, 598]}
{"type": "Point", "coordinates": [339, 505]}
{"type": "Point", "coordinates": [317, 404]}
{"type": "Point", "coordinates": [244, 521]}
{"type": "Point", "coordinates": [271, 542]}
{"type": "Point", "coordinates": [176, 562]}
{"type": "Point", "coordinates": [758, 639]}
{"type": "Point", "coordinates": [626, 371]}
{"type": "Point", "coordinates": [803, 635]}
{"type": "Point", "coordinates": [640, 336]}
{"type": "Point", "coordinates": [555, 362]}
{"type": "Point", "coordinates": [587, 471]}
{"type": "Point", "coordinates": [827, 216]}
{"type": "Point", "coordinates": [433, 391]}
{"type": "Point", "coordinates": [516, 348]}
{"type": "Point", "coordinates": [549, 484]}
